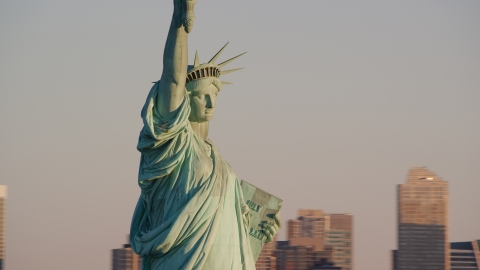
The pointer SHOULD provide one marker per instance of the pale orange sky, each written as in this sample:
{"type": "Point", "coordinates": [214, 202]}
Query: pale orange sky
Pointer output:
{"type": "Point", "coordinates": [338, 100]}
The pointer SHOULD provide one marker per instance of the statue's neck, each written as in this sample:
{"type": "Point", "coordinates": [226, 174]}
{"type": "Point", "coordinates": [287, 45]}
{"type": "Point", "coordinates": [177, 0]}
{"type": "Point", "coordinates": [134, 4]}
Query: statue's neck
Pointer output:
{"type": "Point", "coordinates": [200, 129]}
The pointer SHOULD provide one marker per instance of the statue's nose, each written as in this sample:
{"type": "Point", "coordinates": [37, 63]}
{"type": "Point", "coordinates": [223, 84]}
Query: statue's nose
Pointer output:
{"type": "Point", "coordinates": [210, 101]}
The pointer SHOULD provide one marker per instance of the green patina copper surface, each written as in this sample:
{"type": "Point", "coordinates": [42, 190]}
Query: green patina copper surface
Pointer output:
{"type": "Point", "coordinates": [192, 213]}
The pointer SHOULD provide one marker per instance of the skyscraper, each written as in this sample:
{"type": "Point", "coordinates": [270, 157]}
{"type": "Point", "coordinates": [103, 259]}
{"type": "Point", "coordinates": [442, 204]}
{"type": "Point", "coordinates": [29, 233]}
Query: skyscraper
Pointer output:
{"type": "Point", "coordinates": [325, 233]}
{"type": "Point", "coordinates": [125, 258]}
{"type": "Point", "coordinates": [423, 222]}
{"type": "Point", "coordinates": [266, 260]}
{"type": "Point", "coordinates": [3, 198]}
{"type": "Point", "coordinates": [294, 257]}
{"type": "Point", "coordinates": [308, 229]}
{"type": "Point", "coordinates": [339, 236]}
{"type": "Point", "coordinates": [465, 255]}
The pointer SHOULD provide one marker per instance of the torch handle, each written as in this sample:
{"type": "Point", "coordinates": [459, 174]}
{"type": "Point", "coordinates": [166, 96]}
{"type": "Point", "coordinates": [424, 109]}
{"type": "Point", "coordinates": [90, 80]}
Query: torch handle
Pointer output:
{"type": "Point", "coordinates": [188, 18]}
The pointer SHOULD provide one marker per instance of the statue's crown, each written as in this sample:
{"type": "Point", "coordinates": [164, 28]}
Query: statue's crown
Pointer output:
{"type": "Point", "coordinates": [210, 69]}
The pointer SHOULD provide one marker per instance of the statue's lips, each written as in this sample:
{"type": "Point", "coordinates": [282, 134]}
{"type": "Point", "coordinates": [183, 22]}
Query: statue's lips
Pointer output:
{"type": "Point", "coordinates": [209, 111]}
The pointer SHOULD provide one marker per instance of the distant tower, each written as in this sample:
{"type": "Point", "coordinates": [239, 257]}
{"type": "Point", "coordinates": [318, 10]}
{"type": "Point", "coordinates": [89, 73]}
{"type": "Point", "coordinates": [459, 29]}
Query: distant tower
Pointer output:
{"type": "Point", "coordinates": [465, 255]}
{"type": "Point", "coordinates": [339, 236]}
{"type": "Point", "coordinates": [330, 236]}
{"type": "Point", "coordinates": [266, 260]}
{"type": "Point", "coordinates": [3, 198]}
{"type": "Point", "coordinates": [308, 229]}
{"type": "Point", "coordinates": [125, 258]}
{"type": "Point", "coordinates": [423, 222]}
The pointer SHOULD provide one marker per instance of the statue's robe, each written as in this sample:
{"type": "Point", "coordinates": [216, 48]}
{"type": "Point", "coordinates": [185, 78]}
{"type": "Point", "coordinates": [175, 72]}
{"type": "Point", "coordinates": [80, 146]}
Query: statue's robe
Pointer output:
{"type": "Point", "coordinates": [189, 214]}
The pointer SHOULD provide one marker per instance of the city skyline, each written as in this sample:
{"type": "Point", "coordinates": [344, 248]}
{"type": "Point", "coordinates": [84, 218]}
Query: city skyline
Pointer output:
{"type": "Point", "coordinates": [336, 102]}
{"type": "Point", "coordinates": [317, 240]}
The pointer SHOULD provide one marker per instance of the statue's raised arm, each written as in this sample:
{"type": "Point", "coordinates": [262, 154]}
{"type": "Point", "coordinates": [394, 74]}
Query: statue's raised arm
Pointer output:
{"type": "Point", "coordinates": [175, 58]}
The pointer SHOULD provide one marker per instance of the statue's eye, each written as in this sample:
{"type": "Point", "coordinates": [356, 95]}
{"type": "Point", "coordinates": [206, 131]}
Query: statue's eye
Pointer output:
{"type": "Point", "coordinates": [201, 96]}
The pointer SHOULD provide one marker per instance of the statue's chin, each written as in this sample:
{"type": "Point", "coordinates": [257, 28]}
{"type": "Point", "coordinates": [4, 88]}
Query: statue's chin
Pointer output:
{"type": "Point", "coordinates": [203, 119]}
{"type": "Point", "coordinates": [208, 117]}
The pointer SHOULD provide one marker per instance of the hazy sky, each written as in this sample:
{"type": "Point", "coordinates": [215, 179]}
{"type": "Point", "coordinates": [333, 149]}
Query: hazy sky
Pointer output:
{"type": "Point", "coordinates": [338, 100]}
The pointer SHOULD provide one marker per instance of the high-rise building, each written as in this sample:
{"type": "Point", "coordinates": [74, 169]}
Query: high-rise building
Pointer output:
{"type": "Point", "coordinates": [266, 260]}
{"type": "Point", "coordinates": [328, 234]}
{"type": "Point", "coordinates": [465, 255]}
{"type": "Point", "coordinates": [294, 257]}
{"type": "Point", "coordinates": [125, 258]}
{"type": "Point", "coordinates": [308, 229]}
{"type": "Point", "coordinates": [325, 256]}
{"type": "Point", "coordinates": [323, 264]}
{"type": "Point", "coordinates": [393, 260]}
{"type": "Point", "coordinates": [3, 198]}
{"type": "Point", "coordinates": [423, 222]}
{"type": "Point", "coordinates": [339, 236]}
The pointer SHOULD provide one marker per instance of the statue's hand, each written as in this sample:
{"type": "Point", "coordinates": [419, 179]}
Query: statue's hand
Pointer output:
{"type": "Point", "coordinates": [184, 11]}
{"type": "Point", "coordinates": [271, 229]}
{"type": "Point", "coordinates": [189, 15]}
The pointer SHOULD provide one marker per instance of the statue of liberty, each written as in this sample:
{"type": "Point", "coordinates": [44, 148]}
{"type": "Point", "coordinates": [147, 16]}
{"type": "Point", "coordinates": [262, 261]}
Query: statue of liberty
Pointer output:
{"type": "Point", "coordinates": [191, 213]}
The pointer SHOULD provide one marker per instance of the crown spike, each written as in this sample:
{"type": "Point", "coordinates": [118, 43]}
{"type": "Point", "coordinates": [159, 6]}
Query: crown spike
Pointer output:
{"type": "Point", "coordinates": [223, 72]}
{"type": "Point", "coordinates": [212, 61]}
{"type": "Point", "coordinates": [197, 61]}
{"type": "Point", "coordinates": [230, 60]}
{"type": "Point", "coordinates": [226, 83]}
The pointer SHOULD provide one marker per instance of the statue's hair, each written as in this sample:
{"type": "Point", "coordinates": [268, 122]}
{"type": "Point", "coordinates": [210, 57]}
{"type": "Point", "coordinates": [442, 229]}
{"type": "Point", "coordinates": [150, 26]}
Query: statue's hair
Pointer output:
{"type": "Point", "coordinates": [199, 84]}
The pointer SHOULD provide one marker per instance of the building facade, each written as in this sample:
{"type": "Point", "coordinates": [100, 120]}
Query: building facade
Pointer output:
{"type": "Point", "coordinates": [266, 259]}
{"type": "Point", "coordinates": [422, 204]}
{"type": "Point", "coordinates": [330, 236]}
{"type": "Point", "coordinates": [465, 255]}
{"type": "Point", "coordinates": [294, 257]}
{"type": "Point", "coordinates": [3, 199]}
{"type": "Point", "coordinates": [393, 260]}
{"type": "Point", "coordinates": [339, 236]}
{"type": "Point", "coordinates": [303, 257]}
{"type": "Point", "coordinates": [325, 265]}
{"type": "Point", "coordinates": [308, 229]}
{"type": "Point", "coordinates": [125, 258]}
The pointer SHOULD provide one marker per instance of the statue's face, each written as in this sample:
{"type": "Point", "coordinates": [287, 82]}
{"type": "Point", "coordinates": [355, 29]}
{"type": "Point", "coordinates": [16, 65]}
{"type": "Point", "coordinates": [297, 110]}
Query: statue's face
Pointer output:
{"type": "Point", "coordinates": [202, 103]}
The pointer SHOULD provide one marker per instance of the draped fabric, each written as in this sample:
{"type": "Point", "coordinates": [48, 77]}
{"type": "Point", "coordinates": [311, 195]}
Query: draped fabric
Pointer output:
{"type": "Point", "coordinates": [189, 214]}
